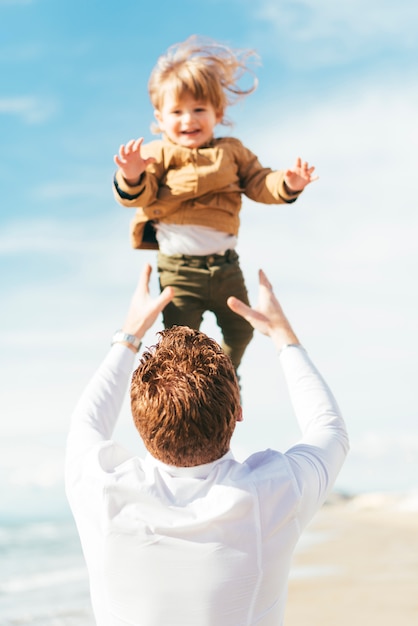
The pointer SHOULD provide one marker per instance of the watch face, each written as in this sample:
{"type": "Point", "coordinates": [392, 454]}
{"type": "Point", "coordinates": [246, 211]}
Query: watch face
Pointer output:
{"type": "Point", "coordinates": [133, 340]}
{"type": "Point", "coordinates": [126, 337]}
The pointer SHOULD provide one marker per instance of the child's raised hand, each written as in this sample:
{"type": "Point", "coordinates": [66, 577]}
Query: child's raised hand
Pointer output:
{"type": "Point", "coordinates": [130, 161]}
{"type": "Point", "coordinates": [299, 176]}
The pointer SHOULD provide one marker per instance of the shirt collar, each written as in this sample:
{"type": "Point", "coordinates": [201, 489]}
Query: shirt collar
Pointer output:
{"type": "Point", "coordinates": [197, 471]}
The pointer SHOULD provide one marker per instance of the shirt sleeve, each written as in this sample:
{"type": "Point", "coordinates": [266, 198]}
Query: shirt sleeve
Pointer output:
{"type": "Point", "coordinates": [138, 195]}
{"type": "Point", "coordinates": [317, 458]}
{"type": "Point", "coordinates": [97, 411]}
{"type": "Point", "coordinates": [262, 184]}
{"type": "Point", "coordinates": [145, 192]}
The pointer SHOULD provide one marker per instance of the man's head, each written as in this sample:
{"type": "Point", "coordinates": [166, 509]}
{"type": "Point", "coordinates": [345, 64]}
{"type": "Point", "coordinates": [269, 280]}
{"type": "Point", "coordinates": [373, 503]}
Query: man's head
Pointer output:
{"type": "Point", "coordinates": [185, 398]}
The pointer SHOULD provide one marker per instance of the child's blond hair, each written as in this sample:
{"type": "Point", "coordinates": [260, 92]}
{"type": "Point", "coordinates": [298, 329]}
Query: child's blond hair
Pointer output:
{"type": "Point", "coordinates": [207, 70]}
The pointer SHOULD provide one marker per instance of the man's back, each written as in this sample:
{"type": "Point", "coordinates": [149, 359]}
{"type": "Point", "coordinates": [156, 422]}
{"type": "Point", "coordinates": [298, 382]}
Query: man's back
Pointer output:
{"type": "Point", "coordinates": [205, 545]}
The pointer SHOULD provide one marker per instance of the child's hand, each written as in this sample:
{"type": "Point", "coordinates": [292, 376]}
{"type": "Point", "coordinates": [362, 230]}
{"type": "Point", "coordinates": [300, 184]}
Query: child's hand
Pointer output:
{"type": "Point", "coordinates": [130, 161]}
{"type": "Point", "coordinates": [299, 176]}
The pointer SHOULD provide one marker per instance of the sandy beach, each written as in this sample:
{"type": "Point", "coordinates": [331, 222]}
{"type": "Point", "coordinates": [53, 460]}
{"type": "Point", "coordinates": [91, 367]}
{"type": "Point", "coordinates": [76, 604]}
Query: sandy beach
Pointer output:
{"type": "Point", "coordinates": [358, 565]}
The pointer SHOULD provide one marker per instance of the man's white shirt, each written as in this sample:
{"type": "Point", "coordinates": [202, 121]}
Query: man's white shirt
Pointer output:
{"type": "Point", "coordinates": [203, 546]}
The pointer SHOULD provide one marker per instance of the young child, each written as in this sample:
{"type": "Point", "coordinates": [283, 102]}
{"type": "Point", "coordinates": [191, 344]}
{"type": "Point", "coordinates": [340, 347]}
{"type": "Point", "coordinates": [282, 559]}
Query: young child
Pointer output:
{"type": "Point", "coordinates": [187, 186]}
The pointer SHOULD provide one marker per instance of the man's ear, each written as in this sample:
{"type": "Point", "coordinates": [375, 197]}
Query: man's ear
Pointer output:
{"type": "Point", "coordinates": [239, 416]}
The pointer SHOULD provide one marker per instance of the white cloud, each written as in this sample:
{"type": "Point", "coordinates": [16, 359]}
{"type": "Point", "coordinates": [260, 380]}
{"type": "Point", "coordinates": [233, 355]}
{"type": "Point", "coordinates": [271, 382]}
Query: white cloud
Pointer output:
{"type": "Point", "coordinates": [362, 140]}
{"type": "Point", "coordinates": [40, 235]}
{"type": "Point", "coordinates": [324, 16]}
{"type": "Point", "coordinates": [30, 109]}
{"type": "Point", "coordinates": [364, 119]}
{"type": "Point", "coordinates": [338, 32]}
{"type": "Point", "coordinates": [78, 238]}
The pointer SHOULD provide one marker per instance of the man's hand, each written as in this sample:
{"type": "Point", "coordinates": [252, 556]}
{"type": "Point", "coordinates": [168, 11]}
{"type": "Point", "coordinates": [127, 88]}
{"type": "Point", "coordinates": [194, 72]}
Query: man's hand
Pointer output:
{"type": "Point", "coordinates": [130, 161]}
{"type": "Point", "coordinates": [145, 309]}
{"type": "Point", "coordinates": [268, 316]}
{"type": "Point", "coordinates": [299, 176]}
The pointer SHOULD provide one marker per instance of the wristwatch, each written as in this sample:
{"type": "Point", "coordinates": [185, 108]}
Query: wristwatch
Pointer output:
{"type": "Point", "coordinates": [121, 337]}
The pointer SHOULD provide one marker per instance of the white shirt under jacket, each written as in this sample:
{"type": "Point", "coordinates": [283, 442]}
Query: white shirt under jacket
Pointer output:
{"type": "Point", "coordinates": [203, 546]}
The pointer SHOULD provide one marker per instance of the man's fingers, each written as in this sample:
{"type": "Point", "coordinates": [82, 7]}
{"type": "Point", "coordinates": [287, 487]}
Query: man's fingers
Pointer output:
{"type": "Point", "coordinates": [144, 277]}
{"type": "Point", "coordinates": [237, 306]}
{"type": "Point", "coordinates": [165, 297]}
{"type": "Point", "coordinates": [263, 280]}
{"type": "Point", "coordinates": [242, 309]}
{"type": "Point", "coordinates": [143, 287]}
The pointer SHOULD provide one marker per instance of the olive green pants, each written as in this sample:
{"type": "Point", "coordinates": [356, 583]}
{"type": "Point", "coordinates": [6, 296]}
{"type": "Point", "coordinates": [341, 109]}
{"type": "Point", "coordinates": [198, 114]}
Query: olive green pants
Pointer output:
{"type": "Point", "coordinates": [204, 283]}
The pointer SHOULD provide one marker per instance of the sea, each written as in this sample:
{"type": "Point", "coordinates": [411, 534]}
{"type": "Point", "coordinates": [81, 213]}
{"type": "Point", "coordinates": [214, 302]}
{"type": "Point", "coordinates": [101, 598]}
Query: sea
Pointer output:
{"type": "Point", "coordinates": [43, 579]}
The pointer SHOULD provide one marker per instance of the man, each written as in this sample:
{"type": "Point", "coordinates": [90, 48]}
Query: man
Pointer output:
{"type": "Point", "coordinates": [189, 536]}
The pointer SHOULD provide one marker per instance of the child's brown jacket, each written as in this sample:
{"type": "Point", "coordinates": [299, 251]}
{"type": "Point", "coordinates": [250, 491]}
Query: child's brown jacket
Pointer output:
{"type": "Point", "coordinates": [201, 186]}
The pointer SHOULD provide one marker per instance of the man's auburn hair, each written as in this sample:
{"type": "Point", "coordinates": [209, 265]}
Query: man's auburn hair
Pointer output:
{"type": "Point", "coordinates": [185, 398]}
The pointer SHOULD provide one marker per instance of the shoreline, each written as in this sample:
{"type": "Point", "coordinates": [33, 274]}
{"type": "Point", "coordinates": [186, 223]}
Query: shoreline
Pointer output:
{"type": "Point", "coordinates": [358, 564]}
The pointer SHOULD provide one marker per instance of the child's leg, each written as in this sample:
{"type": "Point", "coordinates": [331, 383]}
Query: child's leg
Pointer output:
{"type": "Point", "coordinates": [204, 284]}
{"type": "Point", "coordinates": [227, 280]}
{"type": "Point", "coordinates": [190, 279]}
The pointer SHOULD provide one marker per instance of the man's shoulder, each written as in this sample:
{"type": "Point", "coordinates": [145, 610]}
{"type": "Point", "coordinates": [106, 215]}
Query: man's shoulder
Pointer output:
{"type": "Point", "coordinates": [261, 464]}
{"type": "Point", "coordinates": [263, 458]}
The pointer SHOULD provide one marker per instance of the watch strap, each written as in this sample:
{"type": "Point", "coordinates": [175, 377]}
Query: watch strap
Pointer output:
{"type": "Point", "coordinates": [121, 337]}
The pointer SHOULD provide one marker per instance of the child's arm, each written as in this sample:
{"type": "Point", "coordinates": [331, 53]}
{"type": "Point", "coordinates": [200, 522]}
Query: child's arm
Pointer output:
{"type": "Point", "coordinates": [130, 161]}
{"type": "Point", "coordinates": [301, 175]}
{"type": "Point", "coordinates": [262, 184]}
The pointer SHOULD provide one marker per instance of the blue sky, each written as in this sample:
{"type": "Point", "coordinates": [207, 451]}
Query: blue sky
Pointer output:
{"type": "Point", "coordinates": [337, 86]}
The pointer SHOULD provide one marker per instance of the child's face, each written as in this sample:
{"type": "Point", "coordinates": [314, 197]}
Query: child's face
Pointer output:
{"type": "Point", "coordinates": [186, 121]}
